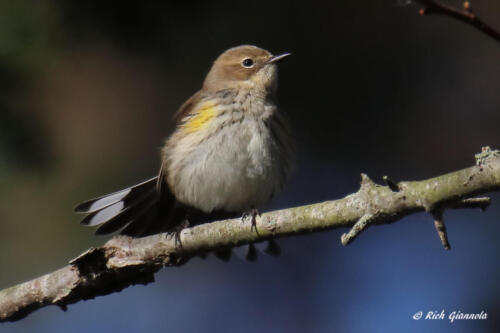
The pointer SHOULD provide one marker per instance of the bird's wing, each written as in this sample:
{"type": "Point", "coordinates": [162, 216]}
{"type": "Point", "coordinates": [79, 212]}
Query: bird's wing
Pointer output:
{"type": "Point", "coordinates": [188, 106]}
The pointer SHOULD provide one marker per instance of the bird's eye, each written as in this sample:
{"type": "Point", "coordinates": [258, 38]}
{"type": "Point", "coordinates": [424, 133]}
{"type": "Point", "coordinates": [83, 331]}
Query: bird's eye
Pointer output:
{"type": "Point", "coordinates": [247, 62]}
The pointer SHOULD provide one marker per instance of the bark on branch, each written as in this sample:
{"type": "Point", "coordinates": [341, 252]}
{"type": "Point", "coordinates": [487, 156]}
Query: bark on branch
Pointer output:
{"type": "Point", "coordinates": [125, 261]}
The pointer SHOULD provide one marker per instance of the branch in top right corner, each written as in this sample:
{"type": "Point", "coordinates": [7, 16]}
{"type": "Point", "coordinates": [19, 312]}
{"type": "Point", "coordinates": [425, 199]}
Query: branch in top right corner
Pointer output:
{"type": "Point", "coordinates": [465, 14]}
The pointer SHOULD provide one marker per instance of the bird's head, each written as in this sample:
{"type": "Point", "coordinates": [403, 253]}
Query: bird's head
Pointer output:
{"type": "Point", "coordinates": [246, 67]}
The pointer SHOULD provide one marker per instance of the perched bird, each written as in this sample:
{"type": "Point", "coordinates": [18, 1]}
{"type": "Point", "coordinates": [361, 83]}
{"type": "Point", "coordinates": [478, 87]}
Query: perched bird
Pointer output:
{"type": "Point", "coordinates": [230, 153]}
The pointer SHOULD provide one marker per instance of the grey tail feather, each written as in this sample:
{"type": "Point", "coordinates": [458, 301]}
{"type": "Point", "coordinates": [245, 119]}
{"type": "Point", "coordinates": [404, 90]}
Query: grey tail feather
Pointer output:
{"type": "Point", "coordinates": [131, 214]}
{"type": "Point", "coordinates": [128, 195]}
{"type": "Point", "coordinates": [133, 210]}
{"type": "Point", "coordinates": [142, 224]}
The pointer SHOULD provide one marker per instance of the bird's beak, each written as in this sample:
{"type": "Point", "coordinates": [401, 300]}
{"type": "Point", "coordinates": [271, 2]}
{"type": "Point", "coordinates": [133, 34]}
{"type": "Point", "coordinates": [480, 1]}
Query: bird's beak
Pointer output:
{"type": "Point", "coordinates": [278, 57]}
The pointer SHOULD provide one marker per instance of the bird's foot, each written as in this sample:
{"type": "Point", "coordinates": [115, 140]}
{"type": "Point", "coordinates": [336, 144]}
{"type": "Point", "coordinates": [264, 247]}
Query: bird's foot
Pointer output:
{"type": "Point", "coordinates": [252, 213]}
{"type": "Point", "coordinates": [177, 232]}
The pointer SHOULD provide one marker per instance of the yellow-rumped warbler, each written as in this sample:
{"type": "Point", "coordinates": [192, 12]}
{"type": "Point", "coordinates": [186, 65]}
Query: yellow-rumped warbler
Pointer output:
{"type": "Point", "coordinates": [230, 153]}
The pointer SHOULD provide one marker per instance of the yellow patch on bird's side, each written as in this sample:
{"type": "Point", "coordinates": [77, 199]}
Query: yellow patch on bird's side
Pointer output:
{"type": "Point", "coordinates": [201, 118]}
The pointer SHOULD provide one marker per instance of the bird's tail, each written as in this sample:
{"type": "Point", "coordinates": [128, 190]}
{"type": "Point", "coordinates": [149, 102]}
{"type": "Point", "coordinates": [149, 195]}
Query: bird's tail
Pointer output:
{"type": "Point", "coordinates": [135, 211]}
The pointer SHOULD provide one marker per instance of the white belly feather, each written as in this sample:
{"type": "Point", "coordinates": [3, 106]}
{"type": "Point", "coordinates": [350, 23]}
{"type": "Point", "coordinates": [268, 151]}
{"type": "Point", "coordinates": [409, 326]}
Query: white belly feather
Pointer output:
{"type": "Point", "coordinates": [233, 170]}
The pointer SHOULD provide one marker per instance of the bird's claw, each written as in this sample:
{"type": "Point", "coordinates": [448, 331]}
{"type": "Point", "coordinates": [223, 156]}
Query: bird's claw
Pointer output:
{"type": "Point", "coordinates": [252, 213]}
{"type": "Point", "coordinates": [177, 232]}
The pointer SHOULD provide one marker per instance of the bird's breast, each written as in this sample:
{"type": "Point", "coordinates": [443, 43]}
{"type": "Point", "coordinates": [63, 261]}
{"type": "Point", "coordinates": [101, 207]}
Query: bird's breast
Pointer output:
{"type": "Point", "coordinates": [235, 164]}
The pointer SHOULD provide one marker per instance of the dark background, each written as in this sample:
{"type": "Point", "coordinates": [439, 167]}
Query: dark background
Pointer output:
{"type": "Point", "coordinates": [87, 93]}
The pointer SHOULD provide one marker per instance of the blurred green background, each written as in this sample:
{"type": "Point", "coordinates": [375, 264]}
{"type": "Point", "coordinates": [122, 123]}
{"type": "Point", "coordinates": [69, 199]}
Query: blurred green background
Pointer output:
{"type": "Point", "coordinates": [87, 94]}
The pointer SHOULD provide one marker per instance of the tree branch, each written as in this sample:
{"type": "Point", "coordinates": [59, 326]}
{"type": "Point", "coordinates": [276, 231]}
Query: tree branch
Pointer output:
{"type": "Point", "coordinates": [125, 261]}
{"type": "Point", "coordinates": [465, 15]}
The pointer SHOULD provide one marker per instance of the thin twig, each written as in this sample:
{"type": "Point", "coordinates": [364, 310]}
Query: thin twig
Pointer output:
{"type": "Point", "coordinates": [393, 185]}
{"type": "Point", "coordinates": [358, 227]}
{"type": "Point", "coordinates": [441, 228]}
{"type": "Point", "coordinates": [465, 15]}
{"type": "Point", "coordinates": [481, 203]}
